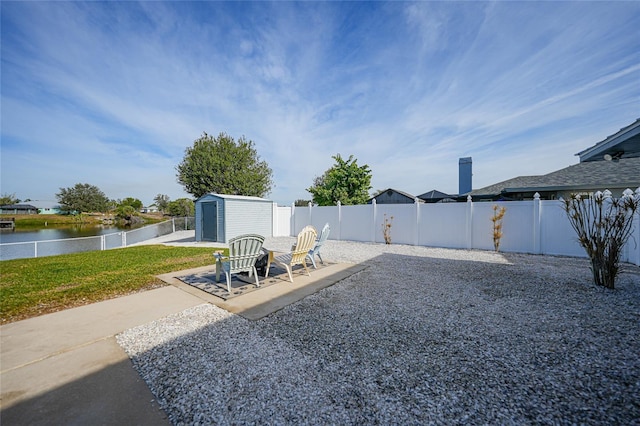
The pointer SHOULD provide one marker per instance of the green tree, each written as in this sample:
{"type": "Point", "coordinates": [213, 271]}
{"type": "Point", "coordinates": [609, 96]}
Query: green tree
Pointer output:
{"type": "Point", "coordinates": [130, 201]}
{"type": "Point", "coordinates": [224, 166]}
{"type": "Point", "coordinates": [162, 201]}
{"type": "Point", "coordinates": [345, 182]}
{"type": "Point", "coordinates": [301, 203]}
{"type": "Point", "coordinates": [7, 199]}
{"type": "Point", "coordinates": [128, 208]}
{"type": "Point", "coordinates": [126, 212]}
{"type": "Point", "coordinates": [181, 207]}
{"type": "Point", "coordinates": [82, 198]}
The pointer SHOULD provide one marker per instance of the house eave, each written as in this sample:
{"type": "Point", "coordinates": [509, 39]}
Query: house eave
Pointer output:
{"type": "Point", "coordinates": [613, 145]}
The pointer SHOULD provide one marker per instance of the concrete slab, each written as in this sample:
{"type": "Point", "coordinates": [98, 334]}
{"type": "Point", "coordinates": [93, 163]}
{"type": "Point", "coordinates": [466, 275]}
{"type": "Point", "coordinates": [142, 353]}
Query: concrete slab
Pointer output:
{"type": "Point", "coordinates": [95, 384]}
{"type": "Point", "coordinates": [68, 362]}
{"type": "Point", "coordinates": [34, 339]}
{"type": "Point", "coordinates": [264, 301]}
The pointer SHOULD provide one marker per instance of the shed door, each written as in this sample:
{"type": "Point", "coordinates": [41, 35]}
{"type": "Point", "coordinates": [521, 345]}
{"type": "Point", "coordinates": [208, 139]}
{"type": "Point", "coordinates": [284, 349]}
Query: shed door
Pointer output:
{"type": "Point", "coordinates": [210, 221]}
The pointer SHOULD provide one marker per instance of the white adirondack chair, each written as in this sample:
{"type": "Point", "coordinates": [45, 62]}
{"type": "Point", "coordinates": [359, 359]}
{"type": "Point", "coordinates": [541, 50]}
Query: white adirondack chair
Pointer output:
{"type": "Point", "coordinates": [244, 251]}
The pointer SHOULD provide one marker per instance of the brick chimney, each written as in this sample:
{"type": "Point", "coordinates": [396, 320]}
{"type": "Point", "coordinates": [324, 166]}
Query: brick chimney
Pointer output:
{"type": "Point", "coordinates": [464, 175]}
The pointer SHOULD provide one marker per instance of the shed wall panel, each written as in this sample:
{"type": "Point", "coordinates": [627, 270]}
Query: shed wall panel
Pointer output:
{"type": "Point", "coordinates": [248, 217]}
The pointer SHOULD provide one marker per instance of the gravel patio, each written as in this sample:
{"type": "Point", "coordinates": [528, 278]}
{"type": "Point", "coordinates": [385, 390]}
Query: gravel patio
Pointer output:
{"type": "Point", "coordinates": [422, 336]}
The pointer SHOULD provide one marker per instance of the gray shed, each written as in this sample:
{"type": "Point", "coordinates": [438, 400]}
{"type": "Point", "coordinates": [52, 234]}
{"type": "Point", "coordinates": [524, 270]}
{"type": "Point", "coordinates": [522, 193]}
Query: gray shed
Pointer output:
{"type": "Point", "coordinates": [221, 217]}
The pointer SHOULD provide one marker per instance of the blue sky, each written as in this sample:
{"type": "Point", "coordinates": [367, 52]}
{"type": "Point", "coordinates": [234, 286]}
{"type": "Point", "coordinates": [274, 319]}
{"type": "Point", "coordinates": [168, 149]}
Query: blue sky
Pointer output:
{"type": "Point", "coordinates": [111, 93]}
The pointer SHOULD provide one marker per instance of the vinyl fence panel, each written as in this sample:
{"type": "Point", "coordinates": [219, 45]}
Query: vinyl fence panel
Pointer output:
{"type": "Point", "coordinates": [443, 225]}
{"type": "Point", "coordinates": [537, 227]}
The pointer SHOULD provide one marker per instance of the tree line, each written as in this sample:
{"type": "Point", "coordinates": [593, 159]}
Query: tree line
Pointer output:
{"type": "Point", "coordinates": [87, 198]}
{"type": "Point", "coordinates": [222, 165]}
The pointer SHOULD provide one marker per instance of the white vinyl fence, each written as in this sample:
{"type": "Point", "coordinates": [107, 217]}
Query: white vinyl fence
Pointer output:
{"type": "Point", "coordinates": [536, 227]}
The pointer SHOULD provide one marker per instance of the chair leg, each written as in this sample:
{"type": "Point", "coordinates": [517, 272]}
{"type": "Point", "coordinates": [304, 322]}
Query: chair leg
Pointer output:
{"type": "Point", "coordinates": [320, 257]}
{"type": "Point", "coordinates": [269, 259]}
{"type": "Point", "coordinates": [255, 273]}
{"type": "Point", "coordinates": [228, 281]}
{"type": "Point", "coordinates": [313, 262]}
{"type": "Point", "coordinates": [288, 267]}
{"type": "Point", "coordinates": [304, 263]}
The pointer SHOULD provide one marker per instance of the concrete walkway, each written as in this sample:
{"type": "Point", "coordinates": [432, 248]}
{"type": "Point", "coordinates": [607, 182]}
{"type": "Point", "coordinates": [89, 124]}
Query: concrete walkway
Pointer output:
{"type": "Point", "coordinates": [66, 367]}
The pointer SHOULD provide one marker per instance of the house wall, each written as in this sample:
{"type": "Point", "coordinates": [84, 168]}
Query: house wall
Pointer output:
{"type": "Point", "coordinates": [537, 227]}
{"type": "Point", "coordinates": [24, 210]}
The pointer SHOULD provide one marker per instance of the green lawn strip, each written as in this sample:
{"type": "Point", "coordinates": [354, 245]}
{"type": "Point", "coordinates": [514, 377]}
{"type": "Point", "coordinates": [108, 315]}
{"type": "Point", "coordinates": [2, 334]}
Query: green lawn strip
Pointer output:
{"type": "Point", "coordinates": [32, 287]}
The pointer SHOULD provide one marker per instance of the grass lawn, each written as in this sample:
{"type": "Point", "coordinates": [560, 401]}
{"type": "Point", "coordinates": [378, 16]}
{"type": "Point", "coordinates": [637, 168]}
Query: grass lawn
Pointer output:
{"type": "Point", "coordinates": [32, 287]}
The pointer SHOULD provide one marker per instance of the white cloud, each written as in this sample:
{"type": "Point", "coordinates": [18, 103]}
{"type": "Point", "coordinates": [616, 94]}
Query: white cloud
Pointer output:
{"type": "Point", "coordinates": [112, 94]}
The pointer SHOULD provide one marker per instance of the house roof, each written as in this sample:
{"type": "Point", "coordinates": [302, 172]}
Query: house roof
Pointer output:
{"type": "Point", "coordinates": [434, 195]}
{"type": "Point", "coordinates": [624, 143]}
{"type": "Point", "coordinates": [405, 194]}
{"type": "Point", "coordinates": [18, 207]}
{"type": "Point", "coordinates": [587, 175]}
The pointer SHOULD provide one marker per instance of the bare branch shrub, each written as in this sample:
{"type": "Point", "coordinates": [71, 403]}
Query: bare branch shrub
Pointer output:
{"type": "Point", "coordinates": [603, 225]}
{"type": "Point", "coordinates": [498, 215]}
{"type": "Point", "coordinates": [386, 229]}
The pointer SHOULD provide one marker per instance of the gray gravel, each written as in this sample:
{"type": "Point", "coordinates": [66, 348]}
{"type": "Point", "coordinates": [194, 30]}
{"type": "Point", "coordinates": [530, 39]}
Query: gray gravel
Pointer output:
{"type": "Point", "coordinates": [422, 336]}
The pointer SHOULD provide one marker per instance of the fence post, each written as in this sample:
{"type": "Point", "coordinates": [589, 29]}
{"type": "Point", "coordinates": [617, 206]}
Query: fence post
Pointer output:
{"type": "Point", "coordinates": [537, 218]}
{"type": "Point", "coordinates": [292, 219]}
{"type": "Point", "coordinates": [35, 249]}
{"type": "Point", "coordinates": [103, 244]}
{"type": "Point", "coordinates": [274, 220]}
{"type": "Point", "coordinates": [374, 209]}
{"type": "Point", "coordinates": [416, 239]}
{"type": "Point", "coordinates": [173, 224]}
{"type": "Point", "coordinates": [123, 236]}
{"type": "Point", "coordinates": [636, 258]}
{"type": "Point", "coordinates": [468, 228]}
{"type": "Point", "coordinates": [339, 221]}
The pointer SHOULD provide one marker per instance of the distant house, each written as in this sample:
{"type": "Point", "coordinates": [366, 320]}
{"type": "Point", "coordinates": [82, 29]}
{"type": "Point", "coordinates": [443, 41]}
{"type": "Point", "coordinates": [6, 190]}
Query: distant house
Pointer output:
{"type": "Point", "coordinates": [18, 209]}
{"type": "Point", "coordinates": [150, 209]}
{"type": "Point", "coordinates": [612, 164]}
{"type": "Point", "coordinates": [47, 207]}
{"type": "Point", "coordinates": [393, 196]}
{"type": "Point", "coordinates": [435, 196]}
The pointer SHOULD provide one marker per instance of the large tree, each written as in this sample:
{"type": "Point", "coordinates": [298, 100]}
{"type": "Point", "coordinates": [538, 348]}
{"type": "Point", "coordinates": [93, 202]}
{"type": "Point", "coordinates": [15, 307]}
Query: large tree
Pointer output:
{"type": "Point", "coordinates": [345, 181]}
{"type": "Point", "coordinates": [224, 166]}
{"type": "Point", "coordinates": [82, 198]}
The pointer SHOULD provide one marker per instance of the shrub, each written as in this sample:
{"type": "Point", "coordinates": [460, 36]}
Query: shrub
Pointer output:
{"type": "Point", "coordinates": [498, 215]}
{"type": "Point", "coordinates": [603, 225]}
{"type": "Point", "coordinates": [386, 229]}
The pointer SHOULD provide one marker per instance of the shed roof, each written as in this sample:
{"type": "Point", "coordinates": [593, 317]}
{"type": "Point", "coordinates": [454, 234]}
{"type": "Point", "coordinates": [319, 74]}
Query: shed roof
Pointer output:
{"type": "Point", "coordinates": [235, 197]}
